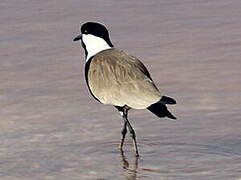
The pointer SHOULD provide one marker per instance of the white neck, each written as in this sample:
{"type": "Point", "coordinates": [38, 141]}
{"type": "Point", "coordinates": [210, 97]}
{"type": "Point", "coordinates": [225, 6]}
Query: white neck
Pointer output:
{"type": "Point", "coordinates": [94, 45]}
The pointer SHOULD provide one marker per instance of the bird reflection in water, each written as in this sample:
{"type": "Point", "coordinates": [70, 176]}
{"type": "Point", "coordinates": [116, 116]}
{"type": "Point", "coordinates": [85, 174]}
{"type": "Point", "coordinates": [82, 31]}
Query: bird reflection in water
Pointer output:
{"type": "Point", "coordinates": [130, 170]}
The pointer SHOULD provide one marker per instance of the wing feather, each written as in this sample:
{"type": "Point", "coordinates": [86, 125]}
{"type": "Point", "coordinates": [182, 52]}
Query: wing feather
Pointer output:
{"type": "Point", "coordinates": [120, 79]}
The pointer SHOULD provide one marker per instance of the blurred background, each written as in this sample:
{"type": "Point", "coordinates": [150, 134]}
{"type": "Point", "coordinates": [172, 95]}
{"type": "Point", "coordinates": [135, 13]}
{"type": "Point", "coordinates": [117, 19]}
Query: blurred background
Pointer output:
{"type": "Point", "coordinates": [51, 127]}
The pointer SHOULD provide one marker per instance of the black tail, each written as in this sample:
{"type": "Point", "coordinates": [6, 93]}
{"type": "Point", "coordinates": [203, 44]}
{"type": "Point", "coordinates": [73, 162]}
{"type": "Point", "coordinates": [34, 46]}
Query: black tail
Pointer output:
{"type": "Point", "coordinates": [167, 100]}
{"type": "Point", "coordinates": [160, 109]}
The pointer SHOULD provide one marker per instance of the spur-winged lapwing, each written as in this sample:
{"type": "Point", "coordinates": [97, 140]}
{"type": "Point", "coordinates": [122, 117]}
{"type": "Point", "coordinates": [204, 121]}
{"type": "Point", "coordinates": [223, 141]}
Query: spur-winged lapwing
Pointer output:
{"type": "Point", "coordinates": [117, 78]}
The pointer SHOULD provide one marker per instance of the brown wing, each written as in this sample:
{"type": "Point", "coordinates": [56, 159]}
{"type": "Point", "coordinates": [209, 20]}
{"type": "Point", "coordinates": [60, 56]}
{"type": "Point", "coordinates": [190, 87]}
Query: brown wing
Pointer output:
{"type": "Point", "coordinates": [120, 79]}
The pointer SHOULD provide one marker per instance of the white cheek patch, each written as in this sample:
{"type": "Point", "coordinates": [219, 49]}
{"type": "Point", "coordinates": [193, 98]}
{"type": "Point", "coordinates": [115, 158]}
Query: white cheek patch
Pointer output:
{"type": "Point", "coordinates": [94, 44]}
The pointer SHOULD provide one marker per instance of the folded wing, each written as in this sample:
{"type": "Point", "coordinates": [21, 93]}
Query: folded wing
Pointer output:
{"type": "Point", "coordinates": [117, 78]}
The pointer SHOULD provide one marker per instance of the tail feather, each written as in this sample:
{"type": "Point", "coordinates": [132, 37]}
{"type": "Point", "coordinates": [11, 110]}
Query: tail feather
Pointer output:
{"type": "Point", "coordinates": [160, 110]}
{"type": "Point", "coordinates": [167, 100]}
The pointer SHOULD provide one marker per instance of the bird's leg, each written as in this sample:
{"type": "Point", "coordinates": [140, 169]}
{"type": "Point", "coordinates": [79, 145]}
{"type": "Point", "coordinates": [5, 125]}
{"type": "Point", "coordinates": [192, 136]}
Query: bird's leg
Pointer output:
{"type": "Point", "coordinates": [133, 135]}
{"type": "Point", "coordinates": [123, 132]}
{"type": "Point", "coordinates": [124, 129]}
{"type": "Point", "coordinates": [131, 130]}
{"type": "Point", "coordinates": [124, 112]}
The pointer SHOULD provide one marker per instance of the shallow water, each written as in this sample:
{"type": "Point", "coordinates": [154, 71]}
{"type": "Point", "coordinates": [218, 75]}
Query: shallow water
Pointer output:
{"type": "Point", "coordinates": [50, 126]}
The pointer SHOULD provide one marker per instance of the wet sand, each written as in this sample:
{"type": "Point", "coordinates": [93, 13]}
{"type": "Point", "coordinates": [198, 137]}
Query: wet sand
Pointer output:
{"type": "Point", "coordinates": [51, 127]}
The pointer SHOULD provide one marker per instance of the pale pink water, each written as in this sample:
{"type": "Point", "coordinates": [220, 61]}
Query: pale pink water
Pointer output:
{"type": "Point", "coordinates": [50, 126]}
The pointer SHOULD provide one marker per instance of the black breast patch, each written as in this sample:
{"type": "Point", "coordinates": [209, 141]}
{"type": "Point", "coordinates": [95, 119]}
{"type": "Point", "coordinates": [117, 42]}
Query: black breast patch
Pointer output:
{"type": "Point", "coordinates": [87, 67]}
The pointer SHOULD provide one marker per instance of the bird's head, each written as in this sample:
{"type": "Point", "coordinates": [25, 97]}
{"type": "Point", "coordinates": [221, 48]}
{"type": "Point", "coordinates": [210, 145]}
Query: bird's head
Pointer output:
{"type": "Point", "coordinates": [94, 38]}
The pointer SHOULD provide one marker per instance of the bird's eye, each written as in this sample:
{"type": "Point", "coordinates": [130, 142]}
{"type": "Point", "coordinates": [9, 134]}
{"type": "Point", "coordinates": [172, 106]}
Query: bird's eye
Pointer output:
{"type": "Point", "coordinates": [85, 31]}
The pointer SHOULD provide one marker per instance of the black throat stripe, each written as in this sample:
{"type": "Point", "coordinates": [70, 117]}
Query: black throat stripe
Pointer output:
{"type": "Point", "coordinates": [87, 67]}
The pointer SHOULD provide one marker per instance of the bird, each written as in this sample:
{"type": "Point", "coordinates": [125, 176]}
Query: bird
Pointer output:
{"type": "Point", "coordinates": [116, 78]}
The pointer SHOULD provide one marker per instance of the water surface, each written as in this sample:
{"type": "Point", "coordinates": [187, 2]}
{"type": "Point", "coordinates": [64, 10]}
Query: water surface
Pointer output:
{"type": "Point", "coordinates": [50, 126]}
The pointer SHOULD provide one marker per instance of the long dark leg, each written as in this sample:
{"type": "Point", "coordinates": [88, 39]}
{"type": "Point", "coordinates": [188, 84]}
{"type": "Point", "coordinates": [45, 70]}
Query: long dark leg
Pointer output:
{"type": "Point", "coordinates": [123, 132]}
{"type": "Point", "coordinates": [131, 130]}
{"type": "Point", "coordinates": [133, 135]}
{"type": "Point", "coordinates": [124, 112]}
{"type": "Point", "coordinates": [124, 129]}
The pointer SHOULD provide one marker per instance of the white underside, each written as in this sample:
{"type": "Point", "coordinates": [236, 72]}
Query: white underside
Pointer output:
{"type": "Point", "coordinates": [94, 45]}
